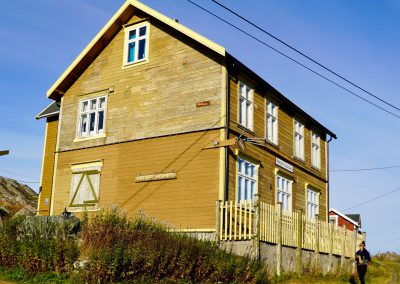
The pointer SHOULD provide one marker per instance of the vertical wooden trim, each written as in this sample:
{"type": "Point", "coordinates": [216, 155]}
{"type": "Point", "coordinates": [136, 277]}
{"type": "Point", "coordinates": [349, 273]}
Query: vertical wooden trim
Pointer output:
{"type": "Point", "coordinates": [279, 239]}
{"type": "Point", "coordinates": [42, 170]}
{"type": "Point", "coordinates": [53, 189]}
{"type": "Point", "coordinates": [223, 135]}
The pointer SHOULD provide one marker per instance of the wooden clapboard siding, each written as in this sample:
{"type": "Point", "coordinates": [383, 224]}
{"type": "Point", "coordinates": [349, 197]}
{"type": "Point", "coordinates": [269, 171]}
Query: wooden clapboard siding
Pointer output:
{"type": "Point", "coordinates": [149, 99]}
{"type": "Point", "coordinates": [186, 202]}
{"type": "Point", "coordinates": [48, 165]}
{"type": "Point", "coordinates": [303, 173]}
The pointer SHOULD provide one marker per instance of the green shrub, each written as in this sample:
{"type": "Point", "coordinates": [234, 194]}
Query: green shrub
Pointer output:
{"type": "Point", "coordinates": [35, 248]}
{"type": "Point", "coordinates": [122, 249]}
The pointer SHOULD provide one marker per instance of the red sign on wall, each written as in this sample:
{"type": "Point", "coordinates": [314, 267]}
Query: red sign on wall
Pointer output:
{"type": "Point", "coordinates": [203, 104]}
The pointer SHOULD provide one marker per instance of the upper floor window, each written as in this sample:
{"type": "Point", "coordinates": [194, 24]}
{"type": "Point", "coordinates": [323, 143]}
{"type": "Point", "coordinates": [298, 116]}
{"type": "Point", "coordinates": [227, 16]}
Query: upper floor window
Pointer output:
{"type": "Point", "coordinates": [136, 43]}
{"type": "Point", "coordinates": [312, 203]}
{"type": "Point", "coordinates": [247, 180]}
{"type": "Point", "coordinates": [315, 150]}
{"type": "Point", "coordinates": [272, 122]}
{"type": "Point", "coordinates": [299, 139]}
{"type": "Point", "coordinates": [245, 106]}
{"type": "Point", "coordinates": [91, 117]}
{"type": "Point", "coordinates": [284, 192]}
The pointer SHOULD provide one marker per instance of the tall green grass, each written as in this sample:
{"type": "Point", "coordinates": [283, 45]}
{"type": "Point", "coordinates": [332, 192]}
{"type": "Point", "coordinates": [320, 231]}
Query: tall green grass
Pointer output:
{"type": "Point", "coordinates": [122, 249]}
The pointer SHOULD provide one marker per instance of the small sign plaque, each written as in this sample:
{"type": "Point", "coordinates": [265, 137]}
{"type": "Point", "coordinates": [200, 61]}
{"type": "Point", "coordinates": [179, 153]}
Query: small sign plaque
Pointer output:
{"type": "Point", "coordinates": [284, 165]}
{"type": "Point", "coordinates": [155, 177]}
{"type": "Point", "coordinates": [203, 104]}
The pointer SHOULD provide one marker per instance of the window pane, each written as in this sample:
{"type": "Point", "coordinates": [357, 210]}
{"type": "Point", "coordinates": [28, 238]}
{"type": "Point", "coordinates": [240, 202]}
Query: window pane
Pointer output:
{"type": "Point", "coordinates": [93, 104]}
{"type": "Point", "coordinates": [142, 31]}
{"type": "Point", "coordinates": [84, 106]}
{"type": "Point", "coordinates": [83, 124]}
{"type": "Point", "coordinates": [101, 121]}
{"type": "Point", "coordinates": [92, 121]}
{"type": "Point", "coordinates": [142, 49]}
{"type": "Point", "coordinates": [102, 102]}
{"type": "Point", "coordinates": [131, 51]}
{"type": "Point", "coordinates": [240, 188]}
{"type": "Point", "coordinates": [132, 34]}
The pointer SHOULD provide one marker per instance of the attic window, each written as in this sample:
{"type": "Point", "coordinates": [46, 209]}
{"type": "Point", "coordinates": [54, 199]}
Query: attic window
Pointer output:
{"type": "Point", "coordinates": [136, 43]}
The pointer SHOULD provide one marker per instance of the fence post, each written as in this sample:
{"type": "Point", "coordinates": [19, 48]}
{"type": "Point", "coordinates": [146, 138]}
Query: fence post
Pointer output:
{"type": "Point", "coordinates": [331, 241]}
{"type": "Point", "coordinates": [217, 220]}
{"type": "Point", "coordinates": [355, 232]}
{"type": "Point", "coordinates": [342, 256]}
{"type": "Point", "coordinates": [299, 248]}
{"type": "Point", "coordinates": [317, 241]}
{"type": "Point", "coordinates": [279, 239]}
{"type": "Point", "coordinates": [256, 227]}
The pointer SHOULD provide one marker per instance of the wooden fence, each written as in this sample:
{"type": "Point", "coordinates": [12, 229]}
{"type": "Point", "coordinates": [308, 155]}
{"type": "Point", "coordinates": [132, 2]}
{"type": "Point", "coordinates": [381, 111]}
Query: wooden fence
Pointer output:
{"type": "Point", "coordinates": [245, 220]}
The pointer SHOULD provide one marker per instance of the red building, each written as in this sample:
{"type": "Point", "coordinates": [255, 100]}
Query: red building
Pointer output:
{"type": "Point", "coordinates": [352, 221]}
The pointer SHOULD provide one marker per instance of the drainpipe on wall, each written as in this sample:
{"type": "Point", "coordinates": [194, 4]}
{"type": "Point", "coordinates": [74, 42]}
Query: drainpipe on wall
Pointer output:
{"type": "Point", "coordinates": [227, 137]}
{"type": "Point", "coordinates": [327, 173]}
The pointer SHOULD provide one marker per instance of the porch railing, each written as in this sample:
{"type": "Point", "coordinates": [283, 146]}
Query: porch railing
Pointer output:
{"type": "Point", "coordinates": [246, 219]}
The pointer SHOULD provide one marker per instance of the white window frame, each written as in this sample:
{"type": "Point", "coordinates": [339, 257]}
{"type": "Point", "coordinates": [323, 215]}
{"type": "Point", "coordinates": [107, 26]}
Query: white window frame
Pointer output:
{"type": "Point", "coordinates": [249, 178]}
{"type": "Point", "coordinates": [312, 202]}
{"type": "Point", "coordinates": [127, 41]}
{"type": "Point", "coordinates": [80, 134]}
{"type": "Point", "coordinates": [315, 150]}
{"type": "Point", "coordinates": [334, 218]}
{"type": "Point", "coordinates": [284, 192]}
{"type": "Point", "coordinates": [271, 123]}
{"type": "Point", "coordinates": [298, 139]}
{"type": "Point", "coordinates": [246, 105]}
{"type": "Point", "coordinates": [81, 189]}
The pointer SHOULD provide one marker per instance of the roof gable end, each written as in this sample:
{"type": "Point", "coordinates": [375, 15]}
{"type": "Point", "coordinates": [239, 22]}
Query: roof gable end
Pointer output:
{"type": "Point", "coordinates": [108, 32]}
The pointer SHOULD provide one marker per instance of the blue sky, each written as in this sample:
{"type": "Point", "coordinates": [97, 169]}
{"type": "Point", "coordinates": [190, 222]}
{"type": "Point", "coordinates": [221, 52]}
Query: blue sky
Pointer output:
{"type": "Point", "coordinates": [358, 39]}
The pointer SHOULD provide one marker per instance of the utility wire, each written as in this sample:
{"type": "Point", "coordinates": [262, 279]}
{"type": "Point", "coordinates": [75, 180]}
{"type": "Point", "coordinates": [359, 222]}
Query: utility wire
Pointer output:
{"type": "Point", "coordinates": [373, 199]}
{"type": "Point", "coordinates": [15, 173]}
{"type": "Point", "coordinates": [292, 59]}
{"type": "Point", "coordinates": [306, 56]}
{"type": "Point", "coordinates": [22, 181]}
{"type": "Point", "coordinates": [366, 169]}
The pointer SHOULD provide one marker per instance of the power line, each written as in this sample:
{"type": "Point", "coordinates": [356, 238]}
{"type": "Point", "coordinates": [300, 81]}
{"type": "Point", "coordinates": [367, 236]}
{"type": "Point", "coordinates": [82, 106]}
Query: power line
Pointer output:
{"type": "Point", "coordinates": [292, 59]}
{"type": "Point", "coordinates": [366, 169]}
{"type": "Point", "coordinates": [21, 181]}
{"type": "Point", "coordinates": [373, 199]}
{"type": "Point", "coordinates": [306, 56]}
{"type": "Point", "coordinates": [15, 173]}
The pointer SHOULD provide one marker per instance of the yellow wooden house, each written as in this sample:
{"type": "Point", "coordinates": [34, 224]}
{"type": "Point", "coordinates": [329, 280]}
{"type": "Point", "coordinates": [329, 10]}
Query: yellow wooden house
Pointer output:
{"type": "Point", "coordinates": [153, 116]}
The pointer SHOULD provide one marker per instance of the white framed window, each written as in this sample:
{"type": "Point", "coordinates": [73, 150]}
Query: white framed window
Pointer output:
{"type": "Point", "coordinates": [334, 219]}
{"type": "Point", "coordinates": [247, 180]}
{"type": "Point", "coordinates": [136, 43]}
{"type": "Point", "coordinates": [85, 186]}
{"type": "Point", "coordinates": [312, 203]}
{"type": "Point", "coordinates": [315, 150]}
{"type": "Point", "coordinates": [246, 105]}
{"type": "Point", "coordinates": [284, 192]}
{"type": "Point", "coordinates": [92, 117]}
{"type": "Point", "coordinates": [298, 139]}
{"type": "Point", "coordinates": [272, 122]}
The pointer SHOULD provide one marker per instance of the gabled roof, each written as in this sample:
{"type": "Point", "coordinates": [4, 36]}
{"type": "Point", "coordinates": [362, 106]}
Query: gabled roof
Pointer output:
{"type": "Point", "coordinates": [346, 217]}
{"type": "Point", "coordinates": [113, 26]}
{"type": "Point", "coordinates": [106, 35]}
{"type": "Point", "coordinates": [51, 110]}
{"type": "Point", "coordinates": [355, 217]}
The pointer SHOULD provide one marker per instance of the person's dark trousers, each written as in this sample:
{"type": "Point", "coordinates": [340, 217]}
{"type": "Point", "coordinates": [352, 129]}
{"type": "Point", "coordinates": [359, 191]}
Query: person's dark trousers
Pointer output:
{"type": "Point", "coordinates": [361, 270]}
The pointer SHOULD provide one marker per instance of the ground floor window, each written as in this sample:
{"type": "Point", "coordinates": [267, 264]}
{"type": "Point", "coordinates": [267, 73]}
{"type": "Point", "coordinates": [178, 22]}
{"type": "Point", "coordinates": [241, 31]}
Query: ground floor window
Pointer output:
{"type": "Point", "coordinates": [247, 180]}
{"type": "Point", "coordinates": [284, 192]}
{"type": "Point", "coordinates": [312, 203]}
{"type": "Point", "coordinates": [85, 186]}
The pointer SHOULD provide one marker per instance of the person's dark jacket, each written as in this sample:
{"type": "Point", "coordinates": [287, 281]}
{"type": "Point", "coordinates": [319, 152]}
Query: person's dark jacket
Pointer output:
{"type": "Point", "coordinates": [365, 257]}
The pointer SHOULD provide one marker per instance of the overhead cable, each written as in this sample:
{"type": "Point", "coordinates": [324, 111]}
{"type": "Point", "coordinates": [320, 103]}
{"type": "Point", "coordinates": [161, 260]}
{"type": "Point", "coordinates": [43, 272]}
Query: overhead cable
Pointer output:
{"type": "Point", "coordinates": [306, 56]}
{"type": "Point", "coordinates": [292, 59]}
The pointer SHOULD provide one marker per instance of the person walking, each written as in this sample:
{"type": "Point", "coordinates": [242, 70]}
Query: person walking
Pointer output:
{"type": "Point", "coordinates": [362, 259]}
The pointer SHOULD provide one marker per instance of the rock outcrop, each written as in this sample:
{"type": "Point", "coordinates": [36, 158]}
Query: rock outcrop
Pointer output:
{"type": "Point", "coordinates": [15, 197]}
